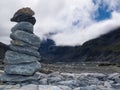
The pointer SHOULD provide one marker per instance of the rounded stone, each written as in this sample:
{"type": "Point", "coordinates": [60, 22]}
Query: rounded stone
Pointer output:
{"type": "Point", "coordinates": [24, 26]}
{"type": "Point", "coordinates": [25, 10]}
{"type": "Point", "coordinates": [26, 37]}
{"type": "Point", "coordinates": [12, 57]}
{"type": "Point", "coordinates": [22, 69]}
{"type": "Point", "coordinates": [25, 50]}
{"type": "Point", "coordinates": [24, 18]}
{"type": "Point", "coordinates": [24, 14]}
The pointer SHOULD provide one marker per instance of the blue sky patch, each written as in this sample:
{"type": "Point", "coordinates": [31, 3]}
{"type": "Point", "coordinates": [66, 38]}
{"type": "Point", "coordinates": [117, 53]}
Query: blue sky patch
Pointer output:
{"type": "Point", "coordinates": [102, 14]}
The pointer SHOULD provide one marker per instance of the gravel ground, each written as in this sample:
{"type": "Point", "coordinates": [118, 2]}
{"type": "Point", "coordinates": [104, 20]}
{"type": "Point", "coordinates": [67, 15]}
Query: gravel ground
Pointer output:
{"type": "Point", "coordinates": [76, 68]}
{"type": "Point", "coordinates": [72, 76]}
{"type": "Point", "coordinates": [80, 68]}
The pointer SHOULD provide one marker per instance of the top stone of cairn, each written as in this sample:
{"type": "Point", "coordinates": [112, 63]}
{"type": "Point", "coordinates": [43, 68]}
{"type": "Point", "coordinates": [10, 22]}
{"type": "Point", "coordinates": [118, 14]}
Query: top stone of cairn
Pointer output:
{"type": "Point", "coordinates": [26, 10]}
{"type": "Point", "coordinates": [24, 14]}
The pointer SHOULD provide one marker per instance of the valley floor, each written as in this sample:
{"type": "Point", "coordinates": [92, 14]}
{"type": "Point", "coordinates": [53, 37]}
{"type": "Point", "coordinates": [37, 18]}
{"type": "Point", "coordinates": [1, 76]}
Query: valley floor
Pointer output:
{"type": "Point", "coordinates": [81, 68]}
{"type": "Point", "coordinates": [71, 76]}
{"type": "Point", "coordinates": [77, 67]}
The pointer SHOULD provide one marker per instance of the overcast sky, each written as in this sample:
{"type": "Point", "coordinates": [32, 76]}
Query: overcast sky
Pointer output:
{"type": "Point", "coordinates": [67, 22]}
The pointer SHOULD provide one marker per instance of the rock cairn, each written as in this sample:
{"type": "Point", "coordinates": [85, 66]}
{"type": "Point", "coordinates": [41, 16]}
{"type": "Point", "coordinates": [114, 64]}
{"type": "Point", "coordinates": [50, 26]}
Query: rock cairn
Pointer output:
{"type": "Point", "coordinates": [22, 60]}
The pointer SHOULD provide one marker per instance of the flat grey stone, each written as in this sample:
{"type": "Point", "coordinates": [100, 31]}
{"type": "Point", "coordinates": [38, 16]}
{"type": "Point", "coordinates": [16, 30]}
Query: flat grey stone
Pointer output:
{"type": "Point", "coordinates": [82, 88]}
{"type": "Point", "coordinates": [12, 57]}
{"type": "Point", "coordinates": [64, 87]}
{"type": "Point", "coordinates": [22, 44]}
{"type": "Point", "coordinates": [87, 88]}
{"type": "Point", "coordinates": [23, 69]}
{"type": "Point", "coordinates": [50, 87]}
{"type": "Point", "coordinates": [114, 75]}
{"type": "Point", "coordinates": [24, 26]}
{"type": "Point", "coordinates": [93, 87]}
{"type": "Point", "coordinates": [78, 88]}
{"type": "Point", "coordinates": [29, 87]}
{"type": "Point", "coordinates": [18, 78]}
{"type": "Point", "coordinates": [70, 83]}
{"type": "Point", "coordinates": [10, 87]}
{"type": "Point", "coordinates": [25, 50]}
{"type": "Point", "coordinates": [54, 79]}
{"type": "Point", "coordinates": [43, 81]}
{"type": "Point", "coordinates": [117, 80]}
{"type": "Point", "coordinates": [88, 80]}
{"type": "Point", "coordinates": [26, 37]}
{"type": "Point", "coordinates": [38, 87]}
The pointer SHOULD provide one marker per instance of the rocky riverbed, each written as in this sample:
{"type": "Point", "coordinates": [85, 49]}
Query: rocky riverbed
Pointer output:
{"type": "Point", "coordinates": [78, 67]}
{"type": "Point", "coordinates": [68, 81]}
{"type": "Point", "coordinates": [70, 76]}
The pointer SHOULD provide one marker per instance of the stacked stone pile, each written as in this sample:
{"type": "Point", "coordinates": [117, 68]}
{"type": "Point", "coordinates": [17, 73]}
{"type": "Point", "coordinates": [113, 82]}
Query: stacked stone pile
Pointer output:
{"type": "Point", "coordinates": [22, 60]}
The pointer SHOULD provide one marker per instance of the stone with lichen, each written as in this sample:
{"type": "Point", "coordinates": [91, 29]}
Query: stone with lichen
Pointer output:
{"type": "Point", "coordinates": [26, 10]}
{"type": "Point", "coordinates": [24, 14]}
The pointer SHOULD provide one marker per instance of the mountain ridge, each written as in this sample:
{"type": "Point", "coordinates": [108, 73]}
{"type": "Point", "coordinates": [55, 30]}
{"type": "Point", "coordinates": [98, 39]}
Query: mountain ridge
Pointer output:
{"type": "Point", "coordinates": [104, 48]}
{"type": "Point", "coordinates": [3, 49]}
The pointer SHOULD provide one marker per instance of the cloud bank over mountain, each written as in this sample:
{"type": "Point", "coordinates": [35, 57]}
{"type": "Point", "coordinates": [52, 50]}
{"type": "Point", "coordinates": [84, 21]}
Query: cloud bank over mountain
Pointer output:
{"type": "Point", "coordinates": [67, 22]}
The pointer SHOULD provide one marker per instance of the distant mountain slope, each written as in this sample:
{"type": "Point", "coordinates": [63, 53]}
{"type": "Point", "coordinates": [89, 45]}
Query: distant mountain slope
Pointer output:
{"type": "Point", "coordinates": [105, 48]}
{"type": "Point", "coordinates": [3, 49]}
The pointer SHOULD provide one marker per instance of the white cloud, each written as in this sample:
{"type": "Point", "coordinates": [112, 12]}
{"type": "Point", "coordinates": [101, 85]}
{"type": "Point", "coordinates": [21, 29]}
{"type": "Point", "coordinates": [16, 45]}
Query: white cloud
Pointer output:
{"type": "Point", "coordinates": [58, 16]}
{"type": "Point", "coordinates": [110, 4]}
{"type": "Point", "coordinates": [69, 11]}
{"type": "Point", "coordinates": [80, 36]}
{"type": "Point", "coordinates": [113, 4]}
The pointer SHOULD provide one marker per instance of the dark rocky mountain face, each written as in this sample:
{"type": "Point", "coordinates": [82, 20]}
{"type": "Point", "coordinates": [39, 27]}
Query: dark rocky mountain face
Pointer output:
{"type": "Point", "coordinates": [3, 49]}
{"type": "Point", "coordinates": [105, 48]}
